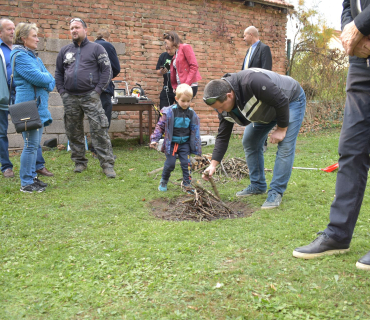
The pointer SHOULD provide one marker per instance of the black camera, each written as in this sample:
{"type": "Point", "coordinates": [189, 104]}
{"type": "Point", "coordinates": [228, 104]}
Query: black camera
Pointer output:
{"type": "Point", "coordinates": [167, 65]}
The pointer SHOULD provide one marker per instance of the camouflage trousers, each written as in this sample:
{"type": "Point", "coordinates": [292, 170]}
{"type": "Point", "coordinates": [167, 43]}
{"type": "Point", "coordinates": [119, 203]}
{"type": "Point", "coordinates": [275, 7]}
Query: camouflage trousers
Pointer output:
{"type": "Point", "coordinates": [75, 107]}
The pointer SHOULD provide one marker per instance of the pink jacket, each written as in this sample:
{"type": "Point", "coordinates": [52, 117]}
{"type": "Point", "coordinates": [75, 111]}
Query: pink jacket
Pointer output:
{"type": "Point", "coordinates": [186, 65]}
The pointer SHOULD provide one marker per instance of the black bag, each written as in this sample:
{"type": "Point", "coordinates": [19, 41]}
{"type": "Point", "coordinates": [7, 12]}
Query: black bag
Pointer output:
{"type": "Point", "coordinates": [25, 115]}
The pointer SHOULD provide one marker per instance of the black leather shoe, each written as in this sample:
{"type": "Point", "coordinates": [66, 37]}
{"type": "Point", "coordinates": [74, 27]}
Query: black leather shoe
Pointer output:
{"type": "Point", "coordinates": [323, 245]}
{"type": "Point", "coordinates": [364, 262]}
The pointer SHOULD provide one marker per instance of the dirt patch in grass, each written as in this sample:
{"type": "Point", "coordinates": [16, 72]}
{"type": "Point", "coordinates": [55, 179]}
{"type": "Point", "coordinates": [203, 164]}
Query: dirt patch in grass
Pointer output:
{"type": "Point", "coordinates": [177, 210]}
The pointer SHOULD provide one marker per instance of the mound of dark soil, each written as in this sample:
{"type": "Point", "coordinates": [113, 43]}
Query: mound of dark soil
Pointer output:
{"type": "Point", "coordinates": [188, 208]}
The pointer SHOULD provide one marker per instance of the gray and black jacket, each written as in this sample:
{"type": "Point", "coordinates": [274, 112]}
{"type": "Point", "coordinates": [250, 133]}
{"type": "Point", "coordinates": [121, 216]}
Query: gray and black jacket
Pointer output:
{"type": "Point", "coordinates": [261, 96]}
{"type": "Point", "coordinates": [82, 69]}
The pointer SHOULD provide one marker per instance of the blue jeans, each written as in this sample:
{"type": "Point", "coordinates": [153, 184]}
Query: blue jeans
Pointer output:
{"type": "Point", "coordinates": [27, 170]}
{"type": "Point", "coordinates": [169, 165]}
{"type": "Point", "coordinates": [4, 144]}
{"type": "Point", "coordinates": [254, 137]}
{"type": "Point", "coordinates": [40, 161]}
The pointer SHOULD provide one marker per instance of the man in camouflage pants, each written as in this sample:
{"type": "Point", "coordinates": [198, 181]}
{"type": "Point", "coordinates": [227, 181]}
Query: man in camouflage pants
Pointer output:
{"type": "Point", "coordinates": [82, 72]}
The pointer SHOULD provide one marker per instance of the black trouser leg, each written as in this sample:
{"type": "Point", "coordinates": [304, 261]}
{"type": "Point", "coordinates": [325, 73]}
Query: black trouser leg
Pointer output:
{"type": "Point", "coordinates": [354, 161]}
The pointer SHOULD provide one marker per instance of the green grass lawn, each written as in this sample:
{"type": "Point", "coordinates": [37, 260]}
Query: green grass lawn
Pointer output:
{"type": "Point", "coordinates": [89, 247]}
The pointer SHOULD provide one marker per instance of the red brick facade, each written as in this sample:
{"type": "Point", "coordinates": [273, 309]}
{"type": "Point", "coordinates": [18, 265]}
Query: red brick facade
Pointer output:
{"type": "Point", "coordinates": [214, 28]}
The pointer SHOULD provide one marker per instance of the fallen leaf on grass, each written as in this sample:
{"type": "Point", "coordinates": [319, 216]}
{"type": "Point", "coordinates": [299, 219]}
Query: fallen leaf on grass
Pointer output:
{"type": "Point", "coordinates": [61, 147]}
{"type": "Point", "coordinates": [218, 285]}
{"type": "Point", "coordinates": [194, 308]}
{"type": "Point", "coordinates": [131, 169]}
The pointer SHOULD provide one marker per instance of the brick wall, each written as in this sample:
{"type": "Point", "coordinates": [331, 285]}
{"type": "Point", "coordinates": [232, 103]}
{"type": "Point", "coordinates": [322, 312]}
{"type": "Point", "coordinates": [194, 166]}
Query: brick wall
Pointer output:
{"type": "Point", "coordinates": [214, 28]}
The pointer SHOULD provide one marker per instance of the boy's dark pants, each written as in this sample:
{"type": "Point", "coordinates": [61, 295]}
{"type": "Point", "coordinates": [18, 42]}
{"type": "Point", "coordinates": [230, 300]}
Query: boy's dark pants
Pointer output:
{"type": "Point", "coordinates": [169, 165]}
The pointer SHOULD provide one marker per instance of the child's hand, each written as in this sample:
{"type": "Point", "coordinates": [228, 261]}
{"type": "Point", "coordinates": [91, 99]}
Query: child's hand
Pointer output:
{"type": "Point", "coordinates": [153, 145]}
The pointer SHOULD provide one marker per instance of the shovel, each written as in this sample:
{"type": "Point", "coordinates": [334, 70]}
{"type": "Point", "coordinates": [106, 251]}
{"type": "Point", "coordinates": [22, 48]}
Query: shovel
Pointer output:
{"type": "Point", "coordinates": [331, 168]}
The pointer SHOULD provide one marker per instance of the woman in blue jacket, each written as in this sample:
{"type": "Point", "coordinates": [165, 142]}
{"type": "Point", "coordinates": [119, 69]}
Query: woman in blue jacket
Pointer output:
{"type": "Point", "coordinates": [30, 78]}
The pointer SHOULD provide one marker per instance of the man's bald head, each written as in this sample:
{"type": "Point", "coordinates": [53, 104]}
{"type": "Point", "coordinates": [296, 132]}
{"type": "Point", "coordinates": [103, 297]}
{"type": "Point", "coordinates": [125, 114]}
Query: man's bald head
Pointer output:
{"type": "Point", "coordinates": [251, 35]}
{"type": "Point", "coordinates": [7, 31]}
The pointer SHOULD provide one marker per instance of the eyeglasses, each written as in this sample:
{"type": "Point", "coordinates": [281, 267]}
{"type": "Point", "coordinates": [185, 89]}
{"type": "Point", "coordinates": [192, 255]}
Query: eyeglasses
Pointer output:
{"type": "Point", "coordinates": [79, 20]}
{"type": "Point", "coordinates": [211, 100]}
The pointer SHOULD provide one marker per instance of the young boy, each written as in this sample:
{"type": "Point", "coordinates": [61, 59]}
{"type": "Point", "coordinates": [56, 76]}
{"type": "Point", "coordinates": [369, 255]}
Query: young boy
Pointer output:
{"type": "Point", "coordinates": [180, 126]}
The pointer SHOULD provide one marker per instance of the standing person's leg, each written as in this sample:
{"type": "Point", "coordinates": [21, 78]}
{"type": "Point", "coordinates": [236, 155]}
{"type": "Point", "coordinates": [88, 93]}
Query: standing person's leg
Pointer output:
{"type": "Point", "coordinates": [34, 164]}
{"type": "Point", "coordinates": [184, 153]}
{"type": "Point", "coordinates": [166, 99]}
{"type": "Point", "coordinates": [195, 90]}
{"type": "Point", "coordinates": [163, 101]}
{"type": "Point", "coordinates": [42, 171]}
{"type": "Point", "coordinates": [354, 163]}
{"type": "Point", "coordinates": [40, 164]}
{"type": "Point", "coordinates": [285, 154]}
{"type": "Point", "coordinates": [171, 97]}
{"type": "Point", "coordinates": [106, 101]}
{"type": "Point", "coordinates": [286, 148]}
{"type": "Point", "coordinates": [28, 156]}
{"type": "Point", "coordinates": [98, 121]}
{"type": "Point", "coordinates": [73, 122]}
{"type": "Point", "coordinates": [254, 136]}
{"type": "Point", "coordinates": [6, 165]}
{"type": "Point", "coordinates": [169, 166]}
{"type": "Point", "coordinates": [40, 161]}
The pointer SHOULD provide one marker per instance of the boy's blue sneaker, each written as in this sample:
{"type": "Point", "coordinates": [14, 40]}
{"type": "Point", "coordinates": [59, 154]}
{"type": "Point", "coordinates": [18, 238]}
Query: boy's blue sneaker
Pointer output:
{"type": "Point", "coordinates": [162, 186]}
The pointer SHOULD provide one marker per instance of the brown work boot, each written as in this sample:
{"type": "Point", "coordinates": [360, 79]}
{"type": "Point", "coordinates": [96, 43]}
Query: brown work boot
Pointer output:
{"type": "Point", "coordinates": [44, 172]}
{"type": "Point", "coordinates": [8, 173]}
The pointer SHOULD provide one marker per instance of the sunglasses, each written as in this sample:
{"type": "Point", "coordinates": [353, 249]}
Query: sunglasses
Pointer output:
{"type": "Point", "coordinates": [166, 36]}
{"type": "Point", "coordinates": [211, 100]}
{"type": "Point", "coordinates": [79, 20]}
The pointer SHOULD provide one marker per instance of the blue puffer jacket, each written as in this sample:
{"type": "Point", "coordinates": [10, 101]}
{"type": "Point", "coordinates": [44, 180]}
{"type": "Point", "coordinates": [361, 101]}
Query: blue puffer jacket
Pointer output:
{"type": "Point", "coordinates": [30, 71]}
